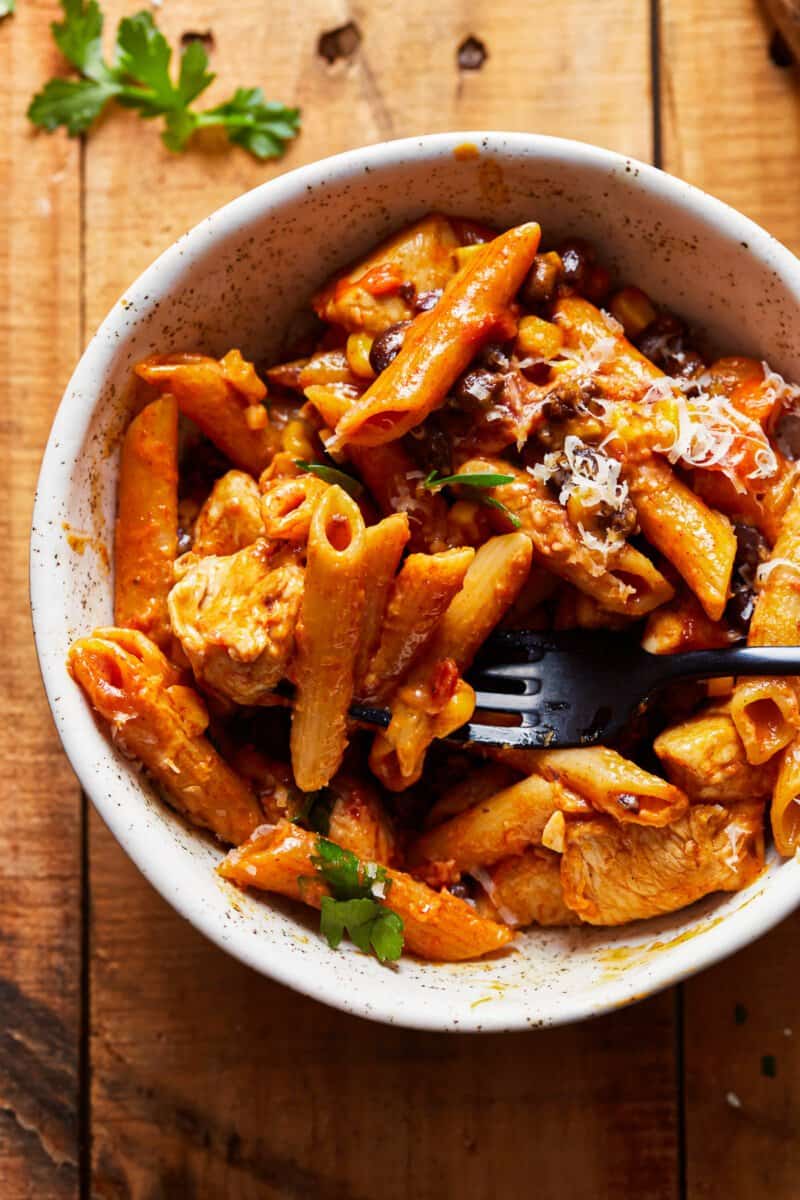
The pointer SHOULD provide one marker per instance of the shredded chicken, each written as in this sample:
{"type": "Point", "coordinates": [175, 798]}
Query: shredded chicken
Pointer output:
{"type": "Point", "coordinates": [235, 618]}
{"type": "Point", "coordinates": [615, 873]}
{"type": "Point", "coordinates": [230, 519]}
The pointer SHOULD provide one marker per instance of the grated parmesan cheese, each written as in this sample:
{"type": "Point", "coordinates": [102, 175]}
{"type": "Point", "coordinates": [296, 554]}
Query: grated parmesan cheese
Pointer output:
{"type": "Point", "coordinates": [482, 876]}
{"type": "Point", "coordinates": [593, 478]}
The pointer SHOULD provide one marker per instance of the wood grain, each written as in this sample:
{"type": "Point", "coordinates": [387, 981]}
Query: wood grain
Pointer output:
{"type": "Point", "coordinates": [40, 813]}
{"type": "Point", "coordinates": [744, 148]}
{"type": "Point", "coordinates": [209, 1080]}
{"type": "Point", "coordinates": [730, 117]}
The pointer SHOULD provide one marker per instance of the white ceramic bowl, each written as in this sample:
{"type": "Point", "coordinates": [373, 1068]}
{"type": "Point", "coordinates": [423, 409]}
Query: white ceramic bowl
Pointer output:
{"type": "Point", "coordinates": [236, 280]}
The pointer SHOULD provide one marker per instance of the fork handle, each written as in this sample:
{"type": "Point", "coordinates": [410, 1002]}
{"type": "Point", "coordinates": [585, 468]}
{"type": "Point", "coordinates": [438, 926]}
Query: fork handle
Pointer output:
{"type": "Point", "coordinates": [708, 664]}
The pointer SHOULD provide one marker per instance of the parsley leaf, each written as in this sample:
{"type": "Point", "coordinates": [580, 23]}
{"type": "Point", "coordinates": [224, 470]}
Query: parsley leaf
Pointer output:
{"type": "Point", "coordinates": [475, 484]}
{"type": "Point", "coordinates": [316, 811]}
{"type": "Point", "coordinates": [352, 486]}
{"type": "Point", "coordinates": [78, 36]}
{"type": "Point", "coordinates": [140, 78]}
{"type": "Point", "coordinates": [352, 908]}
{"type": "Point", "coordinates": [370, 926]}
{"type": "Point", "coordinates": [7, 7]}
{"type": "Point", "coordinates": [478, 479]}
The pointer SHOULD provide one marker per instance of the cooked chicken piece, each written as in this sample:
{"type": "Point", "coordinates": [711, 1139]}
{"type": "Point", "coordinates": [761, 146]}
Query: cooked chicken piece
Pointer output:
{"type": "Point", "coordinates": [705, 758]}
{"type": "Point", "coordinates": [235, 617]}
{"type": "Point", "coordinates": [369, 295]}
{"type": "Point", "coordinates": [230, 519]}
{"type": "Point", "coordinates": [526, 890]}
{"type": "Point", "coordinates": [616, 873]}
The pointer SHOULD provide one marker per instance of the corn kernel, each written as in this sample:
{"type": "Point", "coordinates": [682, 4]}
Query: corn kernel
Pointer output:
{"type": "Point", "coordinates": [467, 524]}
{"type": "Point", "coordinates": [633, 309]}
{"type": "Point", "coordinates": [296, 440]}
{"type": "Point", "coordinates": [539, 338]}
{"type": "Point", "coordinates": [358, 348]}
{"type": "Point", "coordinates": [255, 416]}
{"type": "Point", "coordinates": [463, 254]}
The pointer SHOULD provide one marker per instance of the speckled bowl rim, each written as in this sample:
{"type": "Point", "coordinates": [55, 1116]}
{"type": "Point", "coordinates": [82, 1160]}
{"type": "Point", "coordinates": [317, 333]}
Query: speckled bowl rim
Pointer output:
{"type": "Point", "coordinates": [781, 894]}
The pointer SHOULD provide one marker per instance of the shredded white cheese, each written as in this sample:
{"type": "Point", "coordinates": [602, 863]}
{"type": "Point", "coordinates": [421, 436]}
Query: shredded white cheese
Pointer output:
{"type": "Point", "coordinates": [487, 883]}
{"type": "Point", "coordinates": [593, 478]}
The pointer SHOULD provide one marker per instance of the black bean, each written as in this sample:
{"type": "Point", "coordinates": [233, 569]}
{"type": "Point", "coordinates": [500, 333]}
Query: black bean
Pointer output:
{"type": "Point", "coordinates": [560, 476]}
{"type": "Point", "coordinates": [387, 346]}
{"type": "Point", "coordinates": [542, 280]}
{"type": "Point", "coordinates": [751, 547]}
{"type": "Point", "coordinates": [478, 388]}
{"type": "Point", "coordinates": [577, 257]}
{"type": "Point", "coordinates": [425, 301]}
{"type": "Point", "coordinates": [408, 292]}
{"type": "Point", "coordinates": [739, 609]}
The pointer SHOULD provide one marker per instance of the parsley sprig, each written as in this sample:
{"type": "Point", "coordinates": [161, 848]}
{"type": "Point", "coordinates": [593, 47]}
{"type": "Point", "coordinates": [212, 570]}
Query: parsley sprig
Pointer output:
{"type": "Point", "coordinates": [476, 484]}
{"type": "Point", "coordinates": [139, 78]}
{"type": "Point", "coordinates": [354, 487]}
{"type": "Point", "coordinates": [354, 906]}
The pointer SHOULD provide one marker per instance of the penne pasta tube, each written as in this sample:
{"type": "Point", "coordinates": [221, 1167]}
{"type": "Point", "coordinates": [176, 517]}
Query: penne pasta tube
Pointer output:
{"type": "Point", "coordinates": [623, 581]}
{"type": "Point", "coordinates": [287, 506]}
{"type": "Point", "coordinates": [481, 783]}
{"type": "Point", "coordinates": [614, 873]}
{"type": "Point", "coordinates": [526, 890]}
{"type": "Point", "coordinates": [230, 519]}
{"type": "Point", "coordinates": [474, 308]}
{"type": "Point", "coordinates": [371, 296]}
{"type": "Point", "coordinates": [493, 829]}
{"type": "Point", "coordinates": [432, 696]}
{"type": "Point", "coordinates": [146, 535]}
{"type": "Point", "coordinates": [420, 595]}
{"type": "Point", "coordinates": [698, 541]}
{"type": "Point", "coordinates": [766, 715]}
{"type": "Point", "coordinates": [704, 756]}
{"type": "Point", "coordinates": [153, 718]}
{"type": "Point", "coordinates": [436, 925]}
{"type": "Point", "coordinates": [681, 625]}
{"type": "Point", "coordinates": [224, 399]}
{"type": "Point", "coordinates": [613, 784]}
{"type": "Point", "coordinates": [327, 638]}
{"type": "Point", "coordinates": [776, 617]}
{"type": "Point", "coordinates": [391, 476]}
{"type": "Point", "coordinates": [385, 543]}
{"type": "Point", "coordinates": [785, 809]}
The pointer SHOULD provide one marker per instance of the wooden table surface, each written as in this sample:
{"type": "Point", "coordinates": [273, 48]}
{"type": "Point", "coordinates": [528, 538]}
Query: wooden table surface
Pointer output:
{"type": "Point", "coordinates": [137, 1060]}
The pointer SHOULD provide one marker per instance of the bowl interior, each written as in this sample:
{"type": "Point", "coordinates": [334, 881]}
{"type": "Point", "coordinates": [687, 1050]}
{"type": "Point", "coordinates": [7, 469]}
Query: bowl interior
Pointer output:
{"type": "Point", "coordinates": [239, 279]}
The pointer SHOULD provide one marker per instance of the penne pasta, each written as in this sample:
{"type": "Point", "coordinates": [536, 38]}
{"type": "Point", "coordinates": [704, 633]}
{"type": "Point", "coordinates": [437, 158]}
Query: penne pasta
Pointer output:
{"type": "Point", "coordinates": [481, 783]}
{"type": "Point", "coordinates": [153, 718]}
{"type": "Point", "coordinates": [623, 581]}
{"type": "Point", "coordinates": [287, 506]}
{"type": "Point", "coordinates": [785, 809]}
{"type": "Point", "coordinates": [432, 700]}
{"type": "Point", "coordinates": [385, 543]}
{"type": "Point", "coordinates": [436, 925]}
{"type": "Point", "coordinates": [503, 825]}
{"type": "Point", "coordinates": [612, 784]}
{"type": "Point", "coordinates": [420, 595]}
{"type": "Point", "coordinates": [330, 622]}
{"type": "Point", "coordinates": [372, 295]}
{"type": "Point", "coordinates": [391, 475]}
{"type": "Point", "coordinates": [146, 534]}
{"type": "Point", "coordinates": [224, 399]}
{"type": "Point", "coordinates": [698, 541]}
{"type": "Point", "coordinates": [474, 307]}
{"type": "Point", "coordinates": [766, 715]}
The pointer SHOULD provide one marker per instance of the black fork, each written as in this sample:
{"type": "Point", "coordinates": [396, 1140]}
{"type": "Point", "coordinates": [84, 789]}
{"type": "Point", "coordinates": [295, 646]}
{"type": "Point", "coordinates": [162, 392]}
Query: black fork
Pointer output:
{"type": "Point", "coordinates": [578, 688]}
